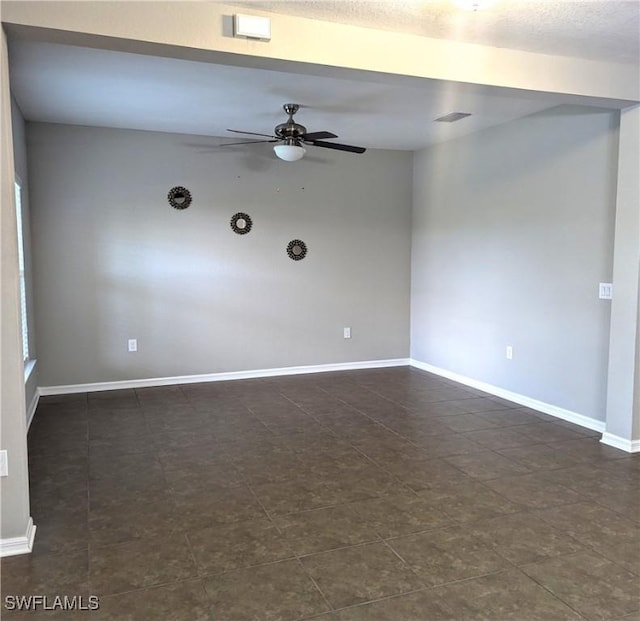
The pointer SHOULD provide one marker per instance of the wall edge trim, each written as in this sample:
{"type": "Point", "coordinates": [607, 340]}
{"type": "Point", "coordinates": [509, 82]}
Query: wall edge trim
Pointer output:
{"type": "Point", "coordinates": [630, 446]}
{"type": "Point", "coordinates": [31, 410]}
{"type": "Point", "coordinates": [19, 545]}
{"type": "Point", "coordinates": [535, 404]}
{"type": "Point", "coordinates": [219, 377]}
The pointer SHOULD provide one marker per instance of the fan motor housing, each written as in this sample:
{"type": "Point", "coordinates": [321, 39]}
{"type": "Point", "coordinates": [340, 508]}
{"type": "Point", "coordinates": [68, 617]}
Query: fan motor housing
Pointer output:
{"type": "Point", "coordinates": [295, 135]}
{"type": "Point", "coordinates": [290, 130]}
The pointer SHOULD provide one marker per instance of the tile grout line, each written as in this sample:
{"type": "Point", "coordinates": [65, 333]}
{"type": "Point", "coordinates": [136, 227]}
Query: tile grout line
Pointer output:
{"type": "Point", "coordinates": [412, 591]}
{"type": "Point", "coordinates": [192, 555]}
{"type": "Point", "coordinates": [382, 540]}
{"type": "Point", "coordinates": [358, 450]}
{"type": "Point", "coordinates": [556, 597]}
{"type": "Point", "coordinates": [298, 556]}
{"type": "Point", "coordinates": [151, 587]}
{"type": "Point", "coordinates": [397, 433]}
{"type": "Point", "coordinates": [360, 544]}
{"type": "Point", "coordinates": [404, 562]}
{"type": "Point", "coordinates": [444, 459]}
{"type": "Point", "coordinates": [315, 584]}
{"type": "Point", "coordinates": [295, 553]}
{"type": "Point", "coordinates": [518, 568]}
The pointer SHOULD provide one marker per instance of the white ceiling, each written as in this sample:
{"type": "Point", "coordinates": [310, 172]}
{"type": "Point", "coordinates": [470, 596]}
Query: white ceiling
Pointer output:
{"type": "Point", "coordinates": [64, 84]}
{"type": "Point", "coordinates": [74, 85]}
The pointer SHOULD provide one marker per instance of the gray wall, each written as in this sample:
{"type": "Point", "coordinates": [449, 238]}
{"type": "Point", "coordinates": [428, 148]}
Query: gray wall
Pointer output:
{"type": "Point", "coordinates": [112, 260]}
{"type": "Point", "coordinates": [512, 232]}
{"type": "Point", "coordinates": [20, 164]}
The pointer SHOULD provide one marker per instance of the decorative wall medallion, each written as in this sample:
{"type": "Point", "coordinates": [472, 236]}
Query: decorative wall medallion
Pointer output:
{"type": "Point", "coordinates": [241, 223]}
{"type": "Point", "coordinates": [297, 249]}
{"type": "Point", "coordinates": [179, 197]}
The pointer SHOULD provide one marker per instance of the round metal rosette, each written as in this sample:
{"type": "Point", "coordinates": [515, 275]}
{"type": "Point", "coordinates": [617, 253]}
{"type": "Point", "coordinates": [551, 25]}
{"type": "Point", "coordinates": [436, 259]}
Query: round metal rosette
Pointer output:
{"type": "Point", "coordinates": [241, 223]}
{"type": "Point", "coordinates": [297, 249]}
{"type": "Point", "coordinates": [179, 197]}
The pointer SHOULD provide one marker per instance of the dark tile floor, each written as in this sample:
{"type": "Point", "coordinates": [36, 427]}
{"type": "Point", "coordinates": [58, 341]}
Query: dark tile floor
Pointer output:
{"type": "Point", "coordinates": [387, 494]}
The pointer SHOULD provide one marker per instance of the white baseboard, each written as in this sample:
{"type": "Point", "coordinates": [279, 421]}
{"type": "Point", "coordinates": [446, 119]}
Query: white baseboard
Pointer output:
{"type": "Point", "coordinates": [630, 446]}
{"type": "Point", "coordinates": [534, 404]}
{"type": "Point", "coordinates": [221, 377]}
{"type": "Point", "coordinates": [19, 545]}
{"type": "Point", "coordinates": [31, 410]}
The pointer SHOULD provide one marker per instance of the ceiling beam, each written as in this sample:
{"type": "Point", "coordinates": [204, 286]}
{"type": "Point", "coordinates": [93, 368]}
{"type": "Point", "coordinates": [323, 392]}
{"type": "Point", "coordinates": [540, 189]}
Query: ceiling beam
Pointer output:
{"type": "Point", "coordinates": [203, 31]}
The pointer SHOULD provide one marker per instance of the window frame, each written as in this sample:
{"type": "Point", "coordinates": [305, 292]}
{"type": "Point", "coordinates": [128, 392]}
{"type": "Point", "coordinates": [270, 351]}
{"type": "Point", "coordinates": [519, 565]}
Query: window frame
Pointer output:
{"type": "Point", "coordinates": [24, 314]}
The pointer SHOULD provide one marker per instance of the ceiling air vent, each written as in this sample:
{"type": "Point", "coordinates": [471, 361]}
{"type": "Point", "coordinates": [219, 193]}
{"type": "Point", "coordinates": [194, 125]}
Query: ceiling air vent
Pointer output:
{"type": "Point", "coordinates": [452, 117]}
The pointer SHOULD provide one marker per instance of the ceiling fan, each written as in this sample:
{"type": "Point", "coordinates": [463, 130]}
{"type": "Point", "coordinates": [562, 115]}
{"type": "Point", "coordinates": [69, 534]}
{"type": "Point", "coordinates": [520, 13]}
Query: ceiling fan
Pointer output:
{"type": "Point", "coordinates": [290, 137]}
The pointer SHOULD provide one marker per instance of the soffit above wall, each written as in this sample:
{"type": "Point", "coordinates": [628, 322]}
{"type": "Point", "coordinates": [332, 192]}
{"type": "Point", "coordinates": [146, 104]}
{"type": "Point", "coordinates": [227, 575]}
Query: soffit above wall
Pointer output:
{"type": "Point", "coordinates": [189, 75]}
{"type": "Point", "coordinates": [104, 88]}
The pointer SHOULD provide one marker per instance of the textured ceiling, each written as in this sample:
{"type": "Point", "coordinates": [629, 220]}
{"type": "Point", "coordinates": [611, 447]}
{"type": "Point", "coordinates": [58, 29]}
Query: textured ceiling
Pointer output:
{"type": "Point", "coordinates": [607, 30]}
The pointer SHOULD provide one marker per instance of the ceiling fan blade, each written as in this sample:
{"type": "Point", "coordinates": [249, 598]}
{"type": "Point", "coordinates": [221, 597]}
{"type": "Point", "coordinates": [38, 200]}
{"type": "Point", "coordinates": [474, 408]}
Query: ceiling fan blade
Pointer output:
{"type": "Point", "coordinates": [337, 146]}
{"type": "Point", "coordinates": [318, 136]}
{"type": "Point", "coordinates": [239, 131]}
{"type": "Point", "coordinates": [232, 144]}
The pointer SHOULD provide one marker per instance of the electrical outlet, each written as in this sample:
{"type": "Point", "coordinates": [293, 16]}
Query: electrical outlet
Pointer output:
{"type": "Point", "coordinates": [133, 344]}
{"type": "Point", "coordinates": [347, 333]}
{"type": "Point", "coordinates": [4, 464]}
{"type": "Point", "coordinates": [509, 352]}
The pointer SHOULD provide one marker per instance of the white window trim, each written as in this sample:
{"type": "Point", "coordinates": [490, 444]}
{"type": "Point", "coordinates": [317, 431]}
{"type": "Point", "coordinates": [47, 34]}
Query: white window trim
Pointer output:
{"type": "Point", "coordinates": [24, 325]}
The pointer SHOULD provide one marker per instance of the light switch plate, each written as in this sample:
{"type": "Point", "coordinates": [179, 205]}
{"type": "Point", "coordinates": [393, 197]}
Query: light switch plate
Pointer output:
{"type": "Point", "coordinates": [132, 344]}
{"type": "Point", "coordinates": [605, 291]}
{"type": "Point", "coordinates": [347, 333]}
{"type": "Point", "coordinates": [4, 464]}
